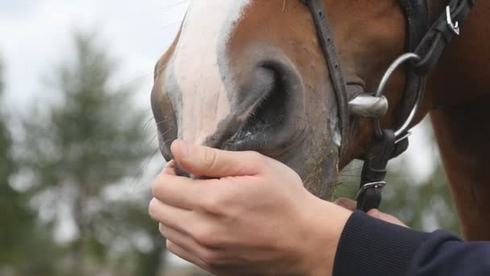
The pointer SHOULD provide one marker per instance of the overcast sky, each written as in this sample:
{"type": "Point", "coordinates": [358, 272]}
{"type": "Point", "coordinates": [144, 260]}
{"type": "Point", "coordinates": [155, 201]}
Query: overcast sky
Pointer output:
{"type": "Point", "coordinates": [36, 37]}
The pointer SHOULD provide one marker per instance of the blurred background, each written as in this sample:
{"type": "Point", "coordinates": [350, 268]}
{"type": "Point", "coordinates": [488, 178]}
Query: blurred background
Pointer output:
{"type": "Point", "coordinates": [78, 149]}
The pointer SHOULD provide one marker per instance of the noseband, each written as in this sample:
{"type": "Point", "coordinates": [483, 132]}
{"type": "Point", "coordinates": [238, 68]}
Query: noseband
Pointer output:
{"type": "Point", "coordinates": [425, 45]}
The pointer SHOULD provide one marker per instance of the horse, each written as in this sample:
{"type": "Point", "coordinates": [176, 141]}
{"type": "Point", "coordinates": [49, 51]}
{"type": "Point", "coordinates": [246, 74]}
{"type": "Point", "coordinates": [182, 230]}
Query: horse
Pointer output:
{"type": "Point", "coordinates": [252, 75]}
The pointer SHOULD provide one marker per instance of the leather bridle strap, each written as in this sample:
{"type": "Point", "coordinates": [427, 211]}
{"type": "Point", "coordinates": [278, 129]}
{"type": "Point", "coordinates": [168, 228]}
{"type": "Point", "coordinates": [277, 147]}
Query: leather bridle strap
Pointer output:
{"type": "Point", "coordinates": [441, 33]}
{"type": "Point", "coordinates": [428, 42]}
{"type": "Point", "coordinates": [429, 47]}
{"type": "Point", "coordinates": [327, 43]}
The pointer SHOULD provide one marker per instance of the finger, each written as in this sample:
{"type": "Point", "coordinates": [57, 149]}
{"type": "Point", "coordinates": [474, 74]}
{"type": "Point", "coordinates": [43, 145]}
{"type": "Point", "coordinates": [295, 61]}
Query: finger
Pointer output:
{"type": "Point", "coordinates": [347, 203]}
{"type": "Point", "coordinates": [375, 213]}
{"type": "Point", "coordinates": [186, 241]}
{"type": "Point", "coordinates": [185, 254]}
{"type": "Point", "coordinates": [192, 251]}
{"type": "Point", "coordinates": [180, 238]}
{"type": "Point", "coordinates": [177, 191]}
{"type": "Point", "coordinates": [209, 162]}
{"type": "Point", "coordinates": [170, 216]}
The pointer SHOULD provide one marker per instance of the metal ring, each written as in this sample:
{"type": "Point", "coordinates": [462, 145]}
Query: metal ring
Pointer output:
{"type": "Point", "coordinates": [400, 132]}
{"type": "Point", "coordinates": [384, 82]}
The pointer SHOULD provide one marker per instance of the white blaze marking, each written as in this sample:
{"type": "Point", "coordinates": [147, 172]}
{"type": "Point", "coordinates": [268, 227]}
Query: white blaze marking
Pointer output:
{"type": "Point", "coordinates": [202, 45]}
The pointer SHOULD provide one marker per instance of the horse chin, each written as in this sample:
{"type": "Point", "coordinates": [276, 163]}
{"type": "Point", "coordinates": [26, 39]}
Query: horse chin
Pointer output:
{"type": "Point", "coordinates": [320, 173]}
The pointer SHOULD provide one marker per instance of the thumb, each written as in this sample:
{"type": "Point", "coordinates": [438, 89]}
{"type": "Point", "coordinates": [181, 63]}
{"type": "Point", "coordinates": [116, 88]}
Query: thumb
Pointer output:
{"type": "Point", "coordinates": [203, 161]}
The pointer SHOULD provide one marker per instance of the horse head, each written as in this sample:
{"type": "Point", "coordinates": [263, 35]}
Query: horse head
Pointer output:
{"type": "Point", "coordinates": [251, 75]}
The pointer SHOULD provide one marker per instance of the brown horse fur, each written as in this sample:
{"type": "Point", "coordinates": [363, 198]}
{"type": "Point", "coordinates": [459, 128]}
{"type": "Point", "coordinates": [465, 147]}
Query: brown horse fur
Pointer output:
{"type": "Point", "coordinates": [369, 35]}
{"type": "Point", "coordinates": [460, 103]}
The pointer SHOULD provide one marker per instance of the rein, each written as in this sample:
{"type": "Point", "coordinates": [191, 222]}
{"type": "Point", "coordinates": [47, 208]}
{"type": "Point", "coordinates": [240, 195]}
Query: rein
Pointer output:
{"type": "Point", "coordinates": [425, 45]}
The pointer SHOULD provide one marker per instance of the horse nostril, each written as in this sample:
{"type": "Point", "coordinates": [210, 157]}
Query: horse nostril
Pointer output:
{"type": "Point", "coordinates": [255, 88]}
{"type": "Point", "coordinates": [271, 110]}
{"type": "Point", "coordinates": [268, 97]}
{"type": "Point", "coordinates": [253, 94]}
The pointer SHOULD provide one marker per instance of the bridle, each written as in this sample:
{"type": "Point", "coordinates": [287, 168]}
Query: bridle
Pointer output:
{"type": "Point", "coordinates": [424, 47]}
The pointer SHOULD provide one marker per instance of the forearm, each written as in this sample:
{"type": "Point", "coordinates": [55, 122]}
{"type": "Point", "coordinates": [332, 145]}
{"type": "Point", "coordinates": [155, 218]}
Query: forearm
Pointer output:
{"type": "Point", "coordinates": [324, 226]}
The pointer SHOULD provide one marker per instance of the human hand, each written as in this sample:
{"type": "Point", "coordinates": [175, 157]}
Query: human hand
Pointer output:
{"type": "Point", "coordinates": [253, 217]}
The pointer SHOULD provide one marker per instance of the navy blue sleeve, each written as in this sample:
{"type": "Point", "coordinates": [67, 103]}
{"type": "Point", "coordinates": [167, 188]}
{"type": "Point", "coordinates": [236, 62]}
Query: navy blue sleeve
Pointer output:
{"type": "Point", "coordinates": [372, 247]}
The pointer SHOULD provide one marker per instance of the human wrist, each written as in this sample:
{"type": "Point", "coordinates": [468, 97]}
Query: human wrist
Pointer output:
{"type": "Point", "coordinates": [325, 222]}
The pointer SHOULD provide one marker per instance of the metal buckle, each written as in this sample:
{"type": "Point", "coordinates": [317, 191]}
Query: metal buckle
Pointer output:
{"type": "Point", "coordinates": [453, 25]}
{"type": "Point", "coordinates": [378, 185]}
{"type": "Point", "coordinates": [403, 137]}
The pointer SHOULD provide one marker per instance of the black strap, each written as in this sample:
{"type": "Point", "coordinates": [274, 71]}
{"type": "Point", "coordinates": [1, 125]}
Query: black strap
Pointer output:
{"type": "Point", "coordinates": [417, 16]}
{"type": "Point", "coordinates": [428, 43]}
{"type": "Point", "coordinates": [430, 46]}
{"type": "Point", "coordinates": [385, 147]}
{"type": "Point", "coordinates": [327, 43]}
{"type": "Point", "coordinates": [382, 150]}
{"type": "Point", "coordinates": [440, 35]}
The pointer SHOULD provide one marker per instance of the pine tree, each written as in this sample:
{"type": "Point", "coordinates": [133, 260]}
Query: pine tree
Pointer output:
{"type": "Point", "coordinates": [91, 140]}
{"type": "Point", "coordinates": [14, 217]}
{"type": "Point", "coordinates": [25, 247]}
{"type": "Point", "coordinates": [9, 205]}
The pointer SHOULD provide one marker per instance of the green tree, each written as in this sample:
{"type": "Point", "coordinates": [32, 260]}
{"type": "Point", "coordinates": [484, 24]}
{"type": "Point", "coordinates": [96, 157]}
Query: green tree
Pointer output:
{"type": "Point", "coordinates": [10, 202]}
{"type": "Point", "coordinates": [78, 151]}
{"type": "Point", "coordinates": [426, 206]}
{"type": "Point", "coordinates": [20, 236]}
